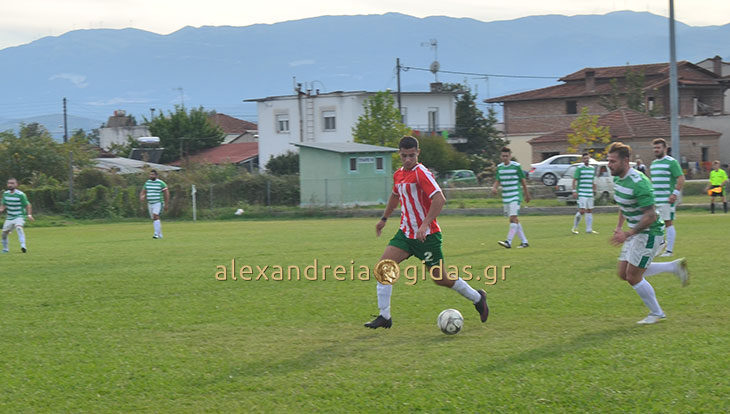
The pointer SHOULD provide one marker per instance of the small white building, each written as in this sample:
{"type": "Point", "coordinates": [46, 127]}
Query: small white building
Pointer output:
{"type": "Point", "coordinates": [314, 117]}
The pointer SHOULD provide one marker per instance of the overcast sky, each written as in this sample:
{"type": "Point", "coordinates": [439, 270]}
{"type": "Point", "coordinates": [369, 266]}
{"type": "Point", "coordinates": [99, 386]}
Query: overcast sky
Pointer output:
{"type": "Point", "coordinates": [23, 21]}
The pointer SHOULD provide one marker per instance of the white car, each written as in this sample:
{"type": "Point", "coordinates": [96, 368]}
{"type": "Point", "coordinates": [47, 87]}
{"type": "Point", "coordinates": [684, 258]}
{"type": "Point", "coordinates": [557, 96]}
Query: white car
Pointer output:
{"type": "Point", "coordinates": [604, 183]}
{"type": "Point", "coordinates": [550, 170]}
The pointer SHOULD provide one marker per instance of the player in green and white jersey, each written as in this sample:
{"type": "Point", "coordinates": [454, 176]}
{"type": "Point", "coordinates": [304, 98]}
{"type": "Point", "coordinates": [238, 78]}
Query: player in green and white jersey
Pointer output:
{"type": "Point", "coordinates": [158, 197]}
{"type": "Point", "coordinates": [584, 187]}
{"type": "Point", "coordinates": [643, 241]}
{"type": "Point", "coordinates": [17, 208]}
{"type": "Point", "coordinates": [512, 179]}
{"type": "Point", "coordinates": [667, 180]}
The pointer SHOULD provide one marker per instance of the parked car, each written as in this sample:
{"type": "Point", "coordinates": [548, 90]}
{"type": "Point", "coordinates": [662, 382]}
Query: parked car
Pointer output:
{"type": "Point", "coordinates": [551, 169]}
{"type": "Point", "coordinates": [458, 178]}
{"type": "Point", "coordinates": [604, 183]}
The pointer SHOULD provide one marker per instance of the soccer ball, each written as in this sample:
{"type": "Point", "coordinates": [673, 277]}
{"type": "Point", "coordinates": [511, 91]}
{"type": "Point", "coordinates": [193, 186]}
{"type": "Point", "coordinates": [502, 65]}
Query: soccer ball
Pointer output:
{"type": "Point", "coordinates": [450, 321]}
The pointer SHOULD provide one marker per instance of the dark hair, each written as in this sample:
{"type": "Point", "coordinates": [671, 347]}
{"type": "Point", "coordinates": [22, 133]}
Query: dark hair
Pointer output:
{"type": "Point", "coordinates": [13, 178]}
{"type": "Point", "coordinates": [154, 171]}
{"type": "Point", "coordinates": [408, 142]}
{"type": "Point", "coordinates": [623, 150]}
{"type": "Point", "coordinates": [506, 149]}
{"type": "Point", "coordinates": [659, 141]}
{"type": "Point", "coordinates": [585, 153]}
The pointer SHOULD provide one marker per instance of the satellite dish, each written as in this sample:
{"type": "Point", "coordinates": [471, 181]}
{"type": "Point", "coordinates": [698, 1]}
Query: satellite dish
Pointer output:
{"type": "Point", "coordinates": [435, 66]}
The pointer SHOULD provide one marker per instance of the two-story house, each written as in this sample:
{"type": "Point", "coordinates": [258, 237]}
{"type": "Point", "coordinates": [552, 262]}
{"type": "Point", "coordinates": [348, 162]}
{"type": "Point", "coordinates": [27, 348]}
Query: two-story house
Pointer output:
{"type": "Point", "coordinates": [313, 117]}
{"type": "Point", "coordinates": [537, 112]}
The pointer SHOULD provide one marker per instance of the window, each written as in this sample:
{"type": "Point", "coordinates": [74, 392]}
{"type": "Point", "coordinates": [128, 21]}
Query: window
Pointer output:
{"type": "Point", "coordinates": [329, 120]}
{"type": "Point", "coordinates": [379, 163]}
{"type": "Point", "coordinates": [705, 154]}
{"type": "Point", "coordinates": [571, 107]}
{"type": "Point", "coordinates": [282, 123]}
{"type": "Point", "coordinates": [404, 115]}
{"type": "Point", "coordinates": [433, 119]}
{"type": "Point", "coordinates": [564, 160]}
{"type": "Point", "coordinates": [353, 164]}
{"type": "Point", "coordinates": [546, 155]}
{"type": "Point", "coordinates": [650, 103]}
{"type": "Point", "coordinates": [695, 105]}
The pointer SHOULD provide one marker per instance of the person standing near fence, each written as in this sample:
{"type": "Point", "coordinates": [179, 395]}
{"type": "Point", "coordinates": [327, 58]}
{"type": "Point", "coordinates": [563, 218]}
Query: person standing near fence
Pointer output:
{"type": "Point", "coordinates": [718, 179]}
{"type": "Point", "coordinates": [154, 189]}
{"type": "Point", "coordinates": [18, 208]}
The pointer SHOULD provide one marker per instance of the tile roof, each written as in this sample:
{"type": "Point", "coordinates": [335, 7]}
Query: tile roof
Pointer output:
{"type": "Point", "coordinates": [231, 125]}
{"type": "Point", "coordinates": [626, 124]}
{"type": "Point", "coordinates": [224, 154]}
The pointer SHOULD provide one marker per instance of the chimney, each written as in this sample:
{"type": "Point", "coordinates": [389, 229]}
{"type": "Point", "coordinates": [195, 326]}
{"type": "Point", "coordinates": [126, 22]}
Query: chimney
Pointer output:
{"type": "Point", "coordinates": [590, 80]}
{"type": "Point", "coordinates": [437, 87]}
{"type": "Point", "coordinates": [717, 65]}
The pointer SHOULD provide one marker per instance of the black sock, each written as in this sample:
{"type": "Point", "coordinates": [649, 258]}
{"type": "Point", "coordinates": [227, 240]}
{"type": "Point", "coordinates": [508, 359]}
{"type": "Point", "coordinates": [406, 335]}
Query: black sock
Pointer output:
{"type": "Point", "coordinates": [712, 208]}
{"type": "Point", "coordinates": [724, 206]}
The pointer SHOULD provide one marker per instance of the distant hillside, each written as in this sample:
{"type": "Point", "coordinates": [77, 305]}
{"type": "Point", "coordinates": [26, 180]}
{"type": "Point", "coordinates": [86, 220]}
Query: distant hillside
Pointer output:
{"type": "Point", "coordinates": [217, 67]}
{"type": "Point", "coordinates": [53, 123]}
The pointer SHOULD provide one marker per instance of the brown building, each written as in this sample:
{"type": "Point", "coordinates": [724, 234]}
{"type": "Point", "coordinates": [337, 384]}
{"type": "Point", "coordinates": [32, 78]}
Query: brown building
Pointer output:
{"type": "Point", "coordinates": [549, 109]}
{"type": "Point", "coordinates": [236, 130]}
{"type": "Point", "coordinates": [637, 130]}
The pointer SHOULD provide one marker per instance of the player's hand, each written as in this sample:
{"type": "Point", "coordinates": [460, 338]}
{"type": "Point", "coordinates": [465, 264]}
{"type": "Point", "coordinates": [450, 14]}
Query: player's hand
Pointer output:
{"type": "Point", "coordinates": [379, 227]}
{"type": "Point", "coordinates": [421, 233]}
{"type": "Point", "coordinates": [165, 207]}
{"type": "Point", "coordinates": [527, 198]}
{"type": "Point", "coordinates": [619, 237]}
{"type": "Point", "coordinates": [494, 191]}
{"type": "Point", "coordinates": [30, 217]}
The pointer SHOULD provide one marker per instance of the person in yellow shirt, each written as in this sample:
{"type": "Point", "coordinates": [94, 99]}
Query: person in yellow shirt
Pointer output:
{"type": "Point", "coordinates": [718, 179]}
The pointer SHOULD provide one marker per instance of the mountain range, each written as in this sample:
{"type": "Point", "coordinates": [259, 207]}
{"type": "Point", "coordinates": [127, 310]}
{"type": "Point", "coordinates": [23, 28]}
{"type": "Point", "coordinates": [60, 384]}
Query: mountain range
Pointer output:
{"type": "Point", "coordinates": [100, 70]}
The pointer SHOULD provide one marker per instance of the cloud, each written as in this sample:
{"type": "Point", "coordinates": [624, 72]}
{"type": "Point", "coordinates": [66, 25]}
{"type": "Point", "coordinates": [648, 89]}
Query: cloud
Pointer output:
{"type": "Point", "coordinates": [302, 62]}
{"type": "Point", "coordinates": [78, 80]}
{"type": "Point", "coordinates": [115, 101]}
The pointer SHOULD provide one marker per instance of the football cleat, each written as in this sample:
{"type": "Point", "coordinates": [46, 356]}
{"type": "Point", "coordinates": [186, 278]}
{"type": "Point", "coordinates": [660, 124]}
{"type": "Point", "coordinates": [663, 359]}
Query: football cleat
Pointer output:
{"type": "Point", "coordinates": [574, 230]}
{"type": "Point", "coordinates": [482, 306]}
{"type": "Point", "coordinates": [651, 319]}
{"type": "Point", "coordinates": [23, 249]}
{"type": "Point", "coordinates": [523, 245]}
{"type": "Point", "coordinates": [668, 253]}
{"type": "Point", "coordinates": [504, 244]}
{"type": "Point", "coordinates": [682, 272]}
{"type": "Point", "coordinates": [592, 232]}
{"type": "Point", "coordinates": [379, 322]}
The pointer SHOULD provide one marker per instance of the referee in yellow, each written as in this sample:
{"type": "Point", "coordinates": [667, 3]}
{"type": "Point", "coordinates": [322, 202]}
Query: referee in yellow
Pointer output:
{"type": "Point", "coordinates": [718, 179]}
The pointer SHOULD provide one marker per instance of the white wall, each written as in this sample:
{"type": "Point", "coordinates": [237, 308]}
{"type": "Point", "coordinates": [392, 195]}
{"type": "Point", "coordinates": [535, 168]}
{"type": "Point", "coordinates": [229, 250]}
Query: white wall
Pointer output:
{"type": "Point", "coordinates": [720, 124]}
{"type": "Point", "coordinates": [119, 135]}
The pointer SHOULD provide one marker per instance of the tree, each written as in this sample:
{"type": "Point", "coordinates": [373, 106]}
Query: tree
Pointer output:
{"type": "Point", "coordinates": [630, 95]}
{"type": "Point", "coordinates": [587, 133]}
{"type": "Point", "coordinates": [183, 132]}
{"type": "Point", "coordinates": [284, 164]}
{"type": "Point", "coordinates": [439, 155]}
{"type": "Point", "coordinates": [381, 123]}
{"type": "Point", "coordinates": [483, 139]}
{"type": "Point", "coordinates": [33, 150]}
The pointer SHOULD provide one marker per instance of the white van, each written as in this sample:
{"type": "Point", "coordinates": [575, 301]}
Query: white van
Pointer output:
{"type": "Point", "coordinates": [604, 183]}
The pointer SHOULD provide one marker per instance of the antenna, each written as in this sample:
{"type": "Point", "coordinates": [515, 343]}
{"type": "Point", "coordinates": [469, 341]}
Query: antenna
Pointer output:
{"type": "Point", "coordinates": [435, 65]}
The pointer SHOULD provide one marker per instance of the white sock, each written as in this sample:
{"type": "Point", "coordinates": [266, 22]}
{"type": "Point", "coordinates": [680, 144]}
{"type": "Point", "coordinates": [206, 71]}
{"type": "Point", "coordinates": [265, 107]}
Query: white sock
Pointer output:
{"type": "Point", "coordinates": [521, 233]}
{"type": "Point", "coordinates": [511, 232]}
{"type": "Point", "coordinates": [158, 227]}
{"type": "Point", "coordinates": [384, 292]}
{"type": "Point", "coordinates": [646, 292]}
{"type": "Point", "coordinates": [5, 241]}
{"type": "Point", "coordinates": [21, 236]}
{"type": "Point", "coordinates": [661, 267]}
{"type": "Point", "coordinates": [577, 220]}
{"type": "Point", "coordinates": [671, 235]}
{"type": "Point", "coordinates": [589, 222]}
{"type": "Point", "coordinates": [466, 291]}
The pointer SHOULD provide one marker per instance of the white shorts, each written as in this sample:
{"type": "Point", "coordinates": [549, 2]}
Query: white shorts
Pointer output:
{"type": "Point", "coordinates": [511, 209]}
{"type": "Point", "coordinates": [640, 249]}
{"type": "Point", "coordinates": [154, 208]}
{"type": "Point", "coordinates": [585, 202]}
{"type": "Point", "coordinates": [666, 211]}
{"type": "Point", "coordinates": [9, 225]}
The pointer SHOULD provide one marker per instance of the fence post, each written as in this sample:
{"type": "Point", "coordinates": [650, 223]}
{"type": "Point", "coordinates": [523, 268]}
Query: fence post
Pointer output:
{"type": "Point", "coordinates": [195, 205]}
{"type": "Point", "coordinates": [326, 196]}
{"type": "Point", "coordinates": [268, 194]}
{"type": "Point", "coordinates": [210, 197]}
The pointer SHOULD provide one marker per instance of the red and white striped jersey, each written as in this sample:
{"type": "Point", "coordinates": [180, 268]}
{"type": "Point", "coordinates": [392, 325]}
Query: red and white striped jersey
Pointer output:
{"type": "Point", "coordinates": [415, 188]}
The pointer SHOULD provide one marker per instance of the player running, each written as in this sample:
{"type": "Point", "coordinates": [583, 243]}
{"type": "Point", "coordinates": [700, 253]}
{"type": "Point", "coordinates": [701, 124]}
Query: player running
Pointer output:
{"type": "Point", "coordinates": [643, 240]}
{"type": "Point", "coordinates": [667, 180]}
{"type": "Point", "coordinates": [18, 208]}
{"type": "Point", "coordinates": [512, 179]}
{"type": "Point", "coordinates": [419, 234]}
{"type": "Point", "coordinates": [153, 191]}
{"type": "Point", "coordinates": [584, 187]}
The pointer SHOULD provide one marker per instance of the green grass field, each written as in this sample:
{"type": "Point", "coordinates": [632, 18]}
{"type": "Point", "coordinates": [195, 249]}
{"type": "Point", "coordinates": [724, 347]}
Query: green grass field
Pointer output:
{"type": "Point", "coordinates": [102, 318]}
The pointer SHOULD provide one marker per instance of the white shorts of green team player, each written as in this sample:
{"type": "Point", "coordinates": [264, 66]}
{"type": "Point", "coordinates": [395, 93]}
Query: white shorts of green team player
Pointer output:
{"type": "Point", "coordinates": [666, 211]}
{"type": "Point", "coordinates": [640, 249]}
{"type": "Point", "coordinates": [511, 209]}
{"type": "Point", "coordinates": [12, 224]}
{"type": "Point", "coordinates": [154, 209]}
{"type": "Point", "coordinates": [586, 203]}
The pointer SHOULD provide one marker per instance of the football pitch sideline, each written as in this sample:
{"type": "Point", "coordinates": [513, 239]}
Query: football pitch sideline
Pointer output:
{"type": "Point", "coordinates": [103, 318]}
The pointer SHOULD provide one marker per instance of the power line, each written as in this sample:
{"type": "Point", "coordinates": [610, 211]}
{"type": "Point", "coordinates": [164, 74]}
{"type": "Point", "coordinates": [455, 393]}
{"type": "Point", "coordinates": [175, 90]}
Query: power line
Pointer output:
{"type": "Point", "coordinates": [482, 74]}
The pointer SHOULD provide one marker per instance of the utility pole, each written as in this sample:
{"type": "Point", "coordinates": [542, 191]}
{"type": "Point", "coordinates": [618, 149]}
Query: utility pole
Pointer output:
{"type": "Point", "coordinates": [673, 88]}
{"type": "Point", "coordinates": [70, 155]}
{"type": "Point", "coordinates": [152, 113]}
{"type": "Point", "coordinates": [397, 69]}
{"type": "Point", "coordinates": [65, 123]}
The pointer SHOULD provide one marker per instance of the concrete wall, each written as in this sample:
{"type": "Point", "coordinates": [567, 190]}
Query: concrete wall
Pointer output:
{"type": "Point", "coordinates": [521, 149]}
{"type": "Point", "coordinates": [119, 135]}
{"type": "Point", "coordinates": [720, 124]}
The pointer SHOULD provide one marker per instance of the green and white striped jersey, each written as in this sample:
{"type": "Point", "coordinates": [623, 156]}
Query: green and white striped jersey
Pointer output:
{"type": "Point", "coordinates": [510, 178]}
{"type": "Point", "coordinates": [15, 203]}
{"type": "Point", "coordinates": [584, 176]}
{"type": "Point", "coordinates": [633, 193]}
{"type": "Point", "coordinates": [664, 174]}
{"type": "Point", "coordinates": [153, 190]}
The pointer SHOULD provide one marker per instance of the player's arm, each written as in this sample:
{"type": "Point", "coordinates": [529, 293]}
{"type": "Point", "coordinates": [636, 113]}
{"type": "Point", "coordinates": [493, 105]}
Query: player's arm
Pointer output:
{"type": "Point", "coordinates": [575, 183]}
{"type": "Point", "coordinates": [142, 194]}
{"type": "Point", "coordinates": [526, 191]}
{"type": "Point", "coordinates": [677, 189]}
{"type": "Point", "coordinates": [437, 204]}
{"type": "Point", "coordinates": [167, 197]}
{"type": "Point", "coordinates": [392, 204]}
{"type": "Point", "coordinates": [29, 209]}
{"type": "Point", "coordinates": [494, 187]}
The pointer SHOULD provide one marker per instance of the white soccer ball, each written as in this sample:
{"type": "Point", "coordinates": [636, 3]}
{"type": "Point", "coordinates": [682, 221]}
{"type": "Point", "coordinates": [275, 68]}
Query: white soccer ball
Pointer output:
{"type": "Point", "coordinates": [450, 321]}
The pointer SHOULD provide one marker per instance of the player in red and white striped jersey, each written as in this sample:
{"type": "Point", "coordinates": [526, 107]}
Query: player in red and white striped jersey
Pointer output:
{"type": "Point", "coordinates": [421, 200]}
